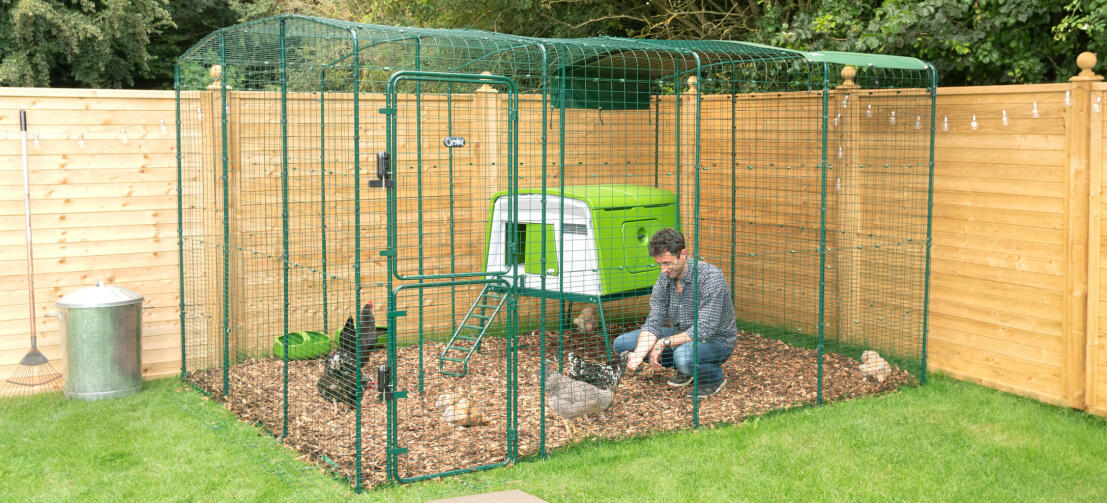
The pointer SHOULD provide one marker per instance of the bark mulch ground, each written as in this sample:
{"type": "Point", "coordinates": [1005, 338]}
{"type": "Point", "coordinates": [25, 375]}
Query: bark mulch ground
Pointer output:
{"type": "Point", "coordinates": [763, 374]}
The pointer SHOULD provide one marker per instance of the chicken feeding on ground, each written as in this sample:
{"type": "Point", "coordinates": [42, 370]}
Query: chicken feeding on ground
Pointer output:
{"type": "Point", "coordinates": [459, 411]}
{"type": "Point", "coordinates": [338, 383]}
{"type": "Point", "coordinates": [585, 388]}
{"type": "Point", "coordinates": [873, 367]}
{"type": "Point", "coordinates": [586, 320]}
{"type": "Point", "coordinates": [601, 375]}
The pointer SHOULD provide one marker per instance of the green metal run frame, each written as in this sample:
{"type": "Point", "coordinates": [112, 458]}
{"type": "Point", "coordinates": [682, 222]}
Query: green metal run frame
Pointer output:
{"type": "Point", "coordinates": [328, 169]}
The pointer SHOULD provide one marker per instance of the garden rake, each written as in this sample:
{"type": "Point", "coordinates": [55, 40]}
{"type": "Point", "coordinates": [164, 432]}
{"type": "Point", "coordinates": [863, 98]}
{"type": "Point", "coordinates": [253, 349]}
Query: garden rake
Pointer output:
{"type": "Point", "coordinates": [34, 372]}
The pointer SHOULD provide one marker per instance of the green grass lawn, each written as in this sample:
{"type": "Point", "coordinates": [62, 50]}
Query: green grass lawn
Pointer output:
{"type": "Point", "coordinates": [947, 441]}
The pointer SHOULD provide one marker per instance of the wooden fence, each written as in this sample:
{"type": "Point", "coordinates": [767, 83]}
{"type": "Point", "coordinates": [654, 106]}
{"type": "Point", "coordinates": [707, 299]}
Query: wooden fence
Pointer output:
{"type": "Point", "coordinates": [1016, 292]}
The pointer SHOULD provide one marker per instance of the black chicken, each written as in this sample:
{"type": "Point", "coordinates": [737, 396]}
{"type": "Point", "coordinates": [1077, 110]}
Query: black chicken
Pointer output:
{"type": "Point", "coordinates": [338, 382]}
{"type": "Point", "coordinates": [369, 338]}
{"type": "Point", "coordinates": [601, 375]}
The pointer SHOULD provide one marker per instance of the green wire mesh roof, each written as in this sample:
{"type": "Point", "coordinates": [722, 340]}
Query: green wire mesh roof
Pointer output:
{"type": "Point", "coordinates": [659, 57]}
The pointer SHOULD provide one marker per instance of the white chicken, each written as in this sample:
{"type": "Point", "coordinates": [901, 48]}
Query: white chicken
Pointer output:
{"type": "Point", "coordinates": [459, 411]}
{"type": "Point", "coordinates": [873, 367]}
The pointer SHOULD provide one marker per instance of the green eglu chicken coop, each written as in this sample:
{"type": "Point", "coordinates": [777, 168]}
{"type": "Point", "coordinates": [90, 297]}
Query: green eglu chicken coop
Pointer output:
{"type": "Point", "coordinates": [595, 238]}
{"type": "Point", "coordinates": [589, 243]}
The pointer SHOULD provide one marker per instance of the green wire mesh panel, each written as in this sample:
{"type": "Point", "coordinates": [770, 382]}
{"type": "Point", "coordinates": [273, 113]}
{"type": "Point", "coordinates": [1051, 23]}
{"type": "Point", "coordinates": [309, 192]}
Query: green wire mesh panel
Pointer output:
{"type": "Point", "coordinates": [462, 220]}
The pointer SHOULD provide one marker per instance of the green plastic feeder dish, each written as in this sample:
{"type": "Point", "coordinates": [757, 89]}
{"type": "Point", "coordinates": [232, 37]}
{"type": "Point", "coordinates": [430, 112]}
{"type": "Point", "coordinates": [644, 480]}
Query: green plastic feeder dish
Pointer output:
{"type": "Point", "coordinates": [302, 345]}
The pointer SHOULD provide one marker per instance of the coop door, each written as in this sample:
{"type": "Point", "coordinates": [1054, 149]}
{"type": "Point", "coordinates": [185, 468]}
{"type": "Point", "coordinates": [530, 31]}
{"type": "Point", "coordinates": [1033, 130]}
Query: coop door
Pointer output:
{"type": "Point", "coordinates": [451, 147]}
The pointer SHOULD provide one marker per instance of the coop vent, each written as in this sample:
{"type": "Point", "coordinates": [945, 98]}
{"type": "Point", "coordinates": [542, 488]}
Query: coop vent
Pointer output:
{"type": "Point", "coordinates": [580, 229]}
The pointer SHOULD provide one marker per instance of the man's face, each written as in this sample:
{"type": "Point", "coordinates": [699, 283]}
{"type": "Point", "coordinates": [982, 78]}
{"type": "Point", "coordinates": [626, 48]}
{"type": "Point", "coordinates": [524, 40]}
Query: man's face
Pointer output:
{"type": "Point", "coordinates": [672, 266]}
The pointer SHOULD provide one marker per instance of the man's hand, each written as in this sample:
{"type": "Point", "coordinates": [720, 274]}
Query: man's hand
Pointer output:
{"type": "Point", "coordinates": [646, 342]}
{"type": "Point", "coordinates": [655, 354]}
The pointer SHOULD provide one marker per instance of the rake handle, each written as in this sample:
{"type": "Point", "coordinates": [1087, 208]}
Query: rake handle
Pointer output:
{"type": "Point", "coordinates": [27, 220]}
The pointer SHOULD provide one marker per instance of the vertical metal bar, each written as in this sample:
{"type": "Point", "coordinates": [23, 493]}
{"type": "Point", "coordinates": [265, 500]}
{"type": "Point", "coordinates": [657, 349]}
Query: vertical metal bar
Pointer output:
{"type": "Point", "coordinates": [453, 237]}
{"type": "Point", "coordinates": [180, 218]}
{"type": "Point", "coordinates": [357, 251]}
{"type": "Point", "coordinates": [323, 187]}
{"type": "Point", "coordinates": [933, 89]}
{"type": "Point", "coordinates": [822, 235]}
{"type": "Point", "coordinates": [696, 251]}
{"type": "Point", "coordinates": [419, 199]}
{"type": "Point", "coordinates": [657, 140]}
{"type": "Point", "coordinates": [733, 180]}
{"type": "Point", "coordinates": [226, 220]}
{"type": "Point", "coordinates": [676, 134]}
{"type": "Point", "coordinates": [542, 312]}
{"type": "Point", "coordinates": [284, 222]}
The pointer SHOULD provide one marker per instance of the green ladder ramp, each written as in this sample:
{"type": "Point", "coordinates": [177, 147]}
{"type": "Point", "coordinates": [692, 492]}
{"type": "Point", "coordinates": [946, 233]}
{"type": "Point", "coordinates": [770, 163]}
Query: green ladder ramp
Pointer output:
{"type": "Point", "coordinates": [466, 339]}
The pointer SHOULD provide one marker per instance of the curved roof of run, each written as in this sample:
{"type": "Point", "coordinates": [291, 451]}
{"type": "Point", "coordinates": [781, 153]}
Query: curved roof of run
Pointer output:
{"type": "Point", "coordinates": [610, 51]}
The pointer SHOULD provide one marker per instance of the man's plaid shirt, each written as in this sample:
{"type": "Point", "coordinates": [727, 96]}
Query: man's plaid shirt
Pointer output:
{"type": "Point", "coordinates": [716, 321]}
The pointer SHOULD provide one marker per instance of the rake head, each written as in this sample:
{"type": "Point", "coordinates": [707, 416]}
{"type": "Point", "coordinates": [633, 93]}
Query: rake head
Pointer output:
{"type": "Point", "coordinates": [34, 374]}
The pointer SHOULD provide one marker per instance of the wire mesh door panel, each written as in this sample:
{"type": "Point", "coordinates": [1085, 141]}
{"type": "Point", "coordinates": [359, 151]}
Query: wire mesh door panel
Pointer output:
{"type": "Point", "coordinates": [452, 142]}
{"type": "Point", "coordinates": [444, 422]}
{"type": "Point", "coordinates": [451, 153]}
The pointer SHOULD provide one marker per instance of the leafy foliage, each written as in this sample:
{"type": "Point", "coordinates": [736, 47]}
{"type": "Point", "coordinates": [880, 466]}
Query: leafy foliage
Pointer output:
{"type": "Point", "coordinates": [968, 41]}
{"type": "Point", "coordinates": [78, 43]}
{"type": "Point", "coordinates": [135, 43]}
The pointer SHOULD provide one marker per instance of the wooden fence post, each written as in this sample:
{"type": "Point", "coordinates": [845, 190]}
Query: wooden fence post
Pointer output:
{"type": "Point", "coordinates": [846, 181]}
{"type": "Point", "coordinates": [1084, 139]}
{"type": "Point", "coordinates": [1082, 214]}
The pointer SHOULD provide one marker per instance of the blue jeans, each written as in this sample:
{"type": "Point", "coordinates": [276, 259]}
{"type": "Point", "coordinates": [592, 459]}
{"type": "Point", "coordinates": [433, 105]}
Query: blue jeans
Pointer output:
{"type": "Point", "coordinates": [712, 355]}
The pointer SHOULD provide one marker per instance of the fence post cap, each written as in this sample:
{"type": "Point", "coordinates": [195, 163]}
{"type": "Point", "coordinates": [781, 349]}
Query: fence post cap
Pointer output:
{"type": "Point", "coordinates": [1086, 61]}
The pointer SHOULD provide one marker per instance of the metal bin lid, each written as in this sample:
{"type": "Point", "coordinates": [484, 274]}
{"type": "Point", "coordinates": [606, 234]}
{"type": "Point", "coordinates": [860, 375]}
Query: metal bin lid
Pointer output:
{"type": "Point", "coordinates": [99, 296]}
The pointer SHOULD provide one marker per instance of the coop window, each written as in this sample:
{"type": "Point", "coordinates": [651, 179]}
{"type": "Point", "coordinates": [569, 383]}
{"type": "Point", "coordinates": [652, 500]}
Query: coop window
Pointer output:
{"type": "Point", "coordinates": [529, 249]}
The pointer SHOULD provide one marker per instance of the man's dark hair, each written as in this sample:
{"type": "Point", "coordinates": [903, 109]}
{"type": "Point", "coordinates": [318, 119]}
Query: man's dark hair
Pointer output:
{"type": "Point", "coordinates": [666, 240]}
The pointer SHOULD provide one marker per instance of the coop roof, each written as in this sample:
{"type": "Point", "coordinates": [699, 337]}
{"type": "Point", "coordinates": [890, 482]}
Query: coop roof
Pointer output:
{"type": "Point", "coordinates": [606, 196]}
{"type": "Point", "coordinates": [467, 48]}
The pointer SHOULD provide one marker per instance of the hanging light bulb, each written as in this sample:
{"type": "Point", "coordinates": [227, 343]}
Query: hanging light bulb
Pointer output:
{"type": "Point", "coordinates": [837, 119]}
{"type": "Point", "coordinates": [1004, 119]}
{"type": "Point", "coordinates": [123, 133]}
{"type": "Point", "coordinates": [199, 114]}
{"type": "Point", "coordinates": [1034, 113]}
{"type": "Point", "coordinates": [892, 119]}
{"type": "Point", "coordinates": [945, 123]}
{"type": "Point", "coordinates": [1068, 98]}
{"type": "Point", "coordinates": [974, 125]}
{"type": "Point", "coordinates": [845, 101]}
{"type": "Point", "coordinates": [841, 152]}
{"type": "Point", "coordinates": [164, 129]}
{"type": "Point", "coordinates": [869, 111]}
{"type": "Point", "coordinates": [1096, 107]}
{"type": "Point", "coordinates": [918, 122]}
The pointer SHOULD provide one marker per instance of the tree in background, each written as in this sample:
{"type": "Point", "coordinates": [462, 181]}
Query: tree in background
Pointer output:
{"type": "Point", "coordinates": [78, 43]}
{"type": "Point", "coordinates": [970, 42]}
{"type": "Point", "coordinates": [135, 43]}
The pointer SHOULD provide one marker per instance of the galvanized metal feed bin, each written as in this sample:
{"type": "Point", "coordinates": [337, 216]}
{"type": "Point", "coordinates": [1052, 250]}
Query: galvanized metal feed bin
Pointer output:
{"type": "Point", "coordinates": [102, 343]}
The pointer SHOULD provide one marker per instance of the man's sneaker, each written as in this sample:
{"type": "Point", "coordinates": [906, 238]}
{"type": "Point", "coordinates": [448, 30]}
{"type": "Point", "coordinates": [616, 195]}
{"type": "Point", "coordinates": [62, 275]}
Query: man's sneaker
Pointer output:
{"type": "Point", "coordinates": [708, 389]}
{"type": "Point", "coordinates": [680, 380]}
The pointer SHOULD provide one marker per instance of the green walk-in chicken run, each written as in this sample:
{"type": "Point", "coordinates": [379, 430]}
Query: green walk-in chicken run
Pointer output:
{"type": "Point", "coordinates": [497, 197]}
